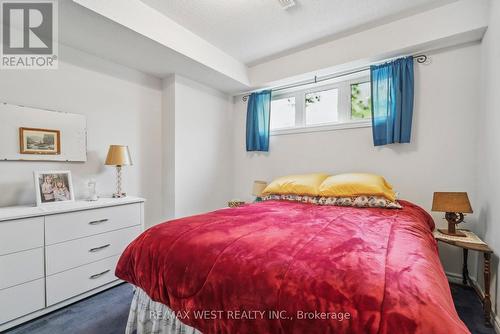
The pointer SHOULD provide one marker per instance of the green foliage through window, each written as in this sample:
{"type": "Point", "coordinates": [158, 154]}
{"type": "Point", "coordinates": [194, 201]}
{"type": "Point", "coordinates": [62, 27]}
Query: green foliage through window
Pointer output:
{"type": "Point", "coordinates": [361, 101]}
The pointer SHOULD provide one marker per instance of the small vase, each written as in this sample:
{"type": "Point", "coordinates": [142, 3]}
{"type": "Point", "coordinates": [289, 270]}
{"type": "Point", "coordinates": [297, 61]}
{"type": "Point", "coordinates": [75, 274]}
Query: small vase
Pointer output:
{"type": "Point", "coordinates": [92, 190]}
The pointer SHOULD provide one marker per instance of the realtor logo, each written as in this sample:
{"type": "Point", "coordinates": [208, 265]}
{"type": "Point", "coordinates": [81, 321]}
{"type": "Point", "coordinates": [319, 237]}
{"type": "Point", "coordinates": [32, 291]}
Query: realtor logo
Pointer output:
{"type": "Point", "coordinates": [29, 34]}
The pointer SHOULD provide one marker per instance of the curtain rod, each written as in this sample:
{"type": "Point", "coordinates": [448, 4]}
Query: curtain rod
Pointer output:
{"type": "Point", "coordinates": [420, 58]}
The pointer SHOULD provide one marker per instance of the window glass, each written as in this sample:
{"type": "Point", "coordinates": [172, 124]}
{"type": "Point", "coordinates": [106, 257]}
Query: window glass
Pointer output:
{"type": "Point", "coordinates": [282, 113]}
{"type": "Point", "coordinates": [361, 101]}
{"type": "Point", "coordinates": [322, 107]}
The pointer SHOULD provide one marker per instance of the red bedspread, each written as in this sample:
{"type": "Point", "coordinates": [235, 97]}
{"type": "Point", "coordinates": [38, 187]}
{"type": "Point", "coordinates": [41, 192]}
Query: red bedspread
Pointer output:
{"type": "Point", "coordinates": [297, 268]}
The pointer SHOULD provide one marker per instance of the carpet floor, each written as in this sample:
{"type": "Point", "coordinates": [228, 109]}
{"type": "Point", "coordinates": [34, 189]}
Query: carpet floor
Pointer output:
{"type": "Point", "coordinates": [107, 312]}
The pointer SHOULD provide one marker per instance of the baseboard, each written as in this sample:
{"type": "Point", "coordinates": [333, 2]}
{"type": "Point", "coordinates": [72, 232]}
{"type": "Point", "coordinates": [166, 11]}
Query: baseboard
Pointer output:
{"type": "Point", "coordinates": [454, 278]}
{"type": "Point", "coordinates": [457, 278]}
{"type": "Point", "coordinates": [496, 324]}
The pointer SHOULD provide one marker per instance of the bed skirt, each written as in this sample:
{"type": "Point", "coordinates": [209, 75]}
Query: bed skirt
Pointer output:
{"type": "Point", "coordinates": [149, 317]}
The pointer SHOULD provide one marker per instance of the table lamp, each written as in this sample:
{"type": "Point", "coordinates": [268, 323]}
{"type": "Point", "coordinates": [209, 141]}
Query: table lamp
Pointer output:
{"type": "Point", "coordinates": [455, 204]}
{"type": "Point", "coordinates": [258, 188]}
{"type": "Point", "coordinates": [118, 155]}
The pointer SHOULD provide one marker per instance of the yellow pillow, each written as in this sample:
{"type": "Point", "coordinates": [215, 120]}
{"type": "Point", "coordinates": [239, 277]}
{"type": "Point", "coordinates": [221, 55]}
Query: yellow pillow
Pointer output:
{"type": "Point", "coordinates": [356, 184]}
{"type": "Point", "coordinates": [304, 184]}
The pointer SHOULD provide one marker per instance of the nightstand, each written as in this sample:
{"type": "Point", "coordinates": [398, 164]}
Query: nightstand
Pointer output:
{"type": "Point", "coordinates": [480, 247]}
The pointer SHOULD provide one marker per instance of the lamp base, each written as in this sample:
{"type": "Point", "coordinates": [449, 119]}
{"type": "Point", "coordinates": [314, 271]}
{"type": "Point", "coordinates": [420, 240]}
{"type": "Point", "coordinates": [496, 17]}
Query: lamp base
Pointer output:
{"type": "Point", "coordinates": [119, 193]}
{"type": "Point", "coordinates": [453, 219]}
{"type": "Point", "coordinates": [454, 233]}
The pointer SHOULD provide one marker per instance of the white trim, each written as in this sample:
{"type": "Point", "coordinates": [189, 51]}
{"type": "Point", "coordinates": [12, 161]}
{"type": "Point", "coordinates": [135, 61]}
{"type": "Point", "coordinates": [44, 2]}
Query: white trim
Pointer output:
{"type": "Point", "coordinates": [326, 127]}
{"type": "Point", "coordinates": [496, 323]}
{"type": "Point", "coordinates": [454, 277]}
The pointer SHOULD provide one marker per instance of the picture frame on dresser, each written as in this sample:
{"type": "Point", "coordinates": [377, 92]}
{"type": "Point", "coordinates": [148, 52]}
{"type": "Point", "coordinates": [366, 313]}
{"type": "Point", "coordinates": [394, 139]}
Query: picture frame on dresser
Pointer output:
{"type": "Point", "coordinates": [53, 187]}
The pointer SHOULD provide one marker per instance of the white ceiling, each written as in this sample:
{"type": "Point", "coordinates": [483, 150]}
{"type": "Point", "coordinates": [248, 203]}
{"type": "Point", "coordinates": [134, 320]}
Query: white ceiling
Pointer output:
{"type": "Point", "coordinates": [256, 30]}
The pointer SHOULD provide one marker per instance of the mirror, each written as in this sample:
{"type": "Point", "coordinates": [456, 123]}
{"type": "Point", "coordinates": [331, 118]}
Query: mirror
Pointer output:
{"type": "Point", "coordinates": [42, 135]}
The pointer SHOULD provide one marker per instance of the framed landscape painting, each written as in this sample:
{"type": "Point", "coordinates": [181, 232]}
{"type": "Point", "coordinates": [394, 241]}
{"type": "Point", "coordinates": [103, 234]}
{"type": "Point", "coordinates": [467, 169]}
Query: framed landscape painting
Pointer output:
{"type": "Point", "coordinates": [39, 141]}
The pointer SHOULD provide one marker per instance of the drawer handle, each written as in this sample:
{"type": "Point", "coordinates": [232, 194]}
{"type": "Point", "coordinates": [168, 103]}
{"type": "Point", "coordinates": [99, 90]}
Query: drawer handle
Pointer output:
{"type": "Point", "coordinates": [100, 274]}
{"type": "Point", "coordinates": [96, 222]}
{"type": "Point", "coordinates": [96, 249]}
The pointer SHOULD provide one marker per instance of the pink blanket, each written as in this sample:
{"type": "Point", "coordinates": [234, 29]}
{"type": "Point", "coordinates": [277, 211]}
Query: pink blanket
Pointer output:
{"type": "Point", "coordinates": [286, 267]}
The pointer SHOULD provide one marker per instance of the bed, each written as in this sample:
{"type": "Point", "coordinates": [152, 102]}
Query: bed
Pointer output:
{"type": "Point", "coordinates": [290, 267]}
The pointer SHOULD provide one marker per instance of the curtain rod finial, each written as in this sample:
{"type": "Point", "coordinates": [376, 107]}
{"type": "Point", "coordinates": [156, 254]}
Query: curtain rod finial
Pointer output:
{"type": "Point", "coordinates": [421, 59]}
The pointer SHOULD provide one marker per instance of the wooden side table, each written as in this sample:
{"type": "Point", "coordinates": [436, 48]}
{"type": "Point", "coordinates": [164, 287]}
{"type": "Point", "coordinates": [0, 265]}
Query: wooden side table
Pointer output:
{"type": "Point", "coordinates": [486, 250]}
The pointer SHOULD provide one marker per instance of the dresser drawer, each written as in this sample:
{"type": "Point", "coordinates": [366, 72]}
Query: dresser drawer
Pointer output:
{"type": "Point", "coordinates": [21, 267]}
{"type": "Point", "coordinates": [79, 280]}
{"type": "Point", "coordinates": [21, 300]}
{"type": "Point", "coordinates": [21, 234]}
{"type": "Point", "coordinates": [73, 225]}
{"type": "Point", "coordinates": [71, 254]}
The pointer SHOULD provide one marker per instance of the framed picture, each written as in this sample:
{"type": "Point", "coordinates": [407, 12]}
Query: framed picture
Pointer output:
{"type": "Point", "coordinates": [53, 187]}
{"type": "Point", "coordinates": [39, 141]}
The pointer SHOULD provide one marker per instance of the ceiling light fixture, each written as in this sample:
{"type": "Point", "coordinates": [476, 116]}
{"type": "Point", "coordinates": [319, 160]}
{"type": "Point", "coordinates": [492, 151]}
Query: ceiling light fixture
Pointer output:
{"type": "Point", "coordinates": [286, 4]}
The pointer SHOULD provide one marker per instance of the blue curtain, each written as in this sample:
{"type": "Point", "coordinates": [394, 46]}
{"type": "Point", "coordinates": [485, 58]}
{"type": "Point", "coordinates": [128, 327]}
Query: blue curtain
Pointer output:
{"type": "Point", "coordinates": [392, 101]}
{"type": "Point", "coordinates": [258, 113]}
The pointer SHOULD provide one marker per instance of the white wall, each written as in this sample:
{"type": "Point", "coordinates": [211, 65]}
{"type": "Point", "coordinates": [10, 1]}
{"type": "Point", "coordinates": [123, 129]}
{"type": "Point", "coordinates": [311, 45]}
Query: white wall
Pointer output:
{"type": "Point", "coordinates": [488, 207]}
{"type": "Point", "coordinates": [168, 147]}
{"type": "Point", "coordinates": [179, 134]}
{"type": "Point", "coordinates": [122, 107]}
{"type": "Point", "coordinates": [200, 150]}
{"type": "Point", "coordinates": [439, 158]}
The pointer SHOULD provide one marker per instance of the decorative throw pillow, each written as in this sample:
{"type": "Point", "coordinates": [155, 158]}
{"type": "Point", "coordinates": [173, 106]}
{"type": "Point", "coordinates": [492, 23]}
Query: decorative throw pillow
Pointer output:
{"type": "Point", "coordinates": [355, 201]}
{"type": "Point", "coordinates": [357, 184]}
{"type": "Point", "coordinates": [292, 198]}
{"type": "Point", "coordinates": [304, 184]}
{"type": "Point", "coordinates": [362, 201]}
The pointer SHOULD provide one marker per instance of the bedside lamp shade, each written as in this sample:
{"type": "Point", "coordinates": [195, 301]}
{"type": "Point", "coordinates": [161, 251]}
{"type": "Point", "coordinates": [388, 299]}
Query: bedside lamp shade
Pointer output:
{"type": "Point", "coordinates": [451, 202]}
{"type": "Point", "coordinates": [258, 188]}
{"type": "Point", "coordinates": [118, 155]}
{"type": "Point", "coordinates": [455, 204]}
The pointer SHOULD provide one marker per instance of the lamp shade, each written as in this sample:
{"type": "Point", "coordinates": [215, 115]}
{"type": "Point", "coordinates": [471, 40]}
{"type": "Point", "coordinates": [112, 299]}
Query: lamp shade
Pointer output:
{"type": "Point", "coordinates": [118, 155]}
{"type": "Point", "coordinates": [451, 202]}
{"type": "Point", "coordinates": [258, 188]}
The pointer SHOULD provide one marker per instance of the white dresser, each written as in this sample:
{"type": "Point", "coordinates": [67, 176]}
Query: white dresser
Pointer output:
{"type": "Point", "coordinates": [53, 256]}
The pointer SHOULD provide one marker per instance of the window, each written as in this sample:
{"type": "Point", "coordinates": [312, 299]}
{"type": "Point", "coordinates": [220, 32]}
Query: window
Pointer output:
{"type": "Point", "coordinates": [322, 107]}
{"type": "Point", "coordinates": [344, 102]}
{"type": "Point", "coordinates": [283, 113]}
{"type": "Point", "coordinates": [361, 100]}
